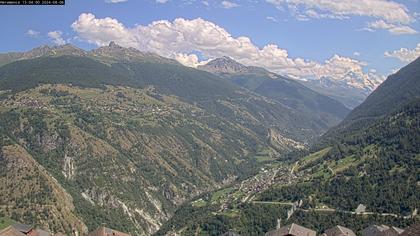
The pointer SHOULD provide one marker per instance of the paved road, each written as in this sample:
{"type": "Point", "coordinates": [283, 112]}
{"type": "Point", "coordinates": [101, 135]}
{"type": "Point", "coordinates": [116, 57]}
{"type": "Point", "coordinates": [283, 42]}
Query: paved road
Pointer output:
{"type": "Point", "coordinates": [331, 210]}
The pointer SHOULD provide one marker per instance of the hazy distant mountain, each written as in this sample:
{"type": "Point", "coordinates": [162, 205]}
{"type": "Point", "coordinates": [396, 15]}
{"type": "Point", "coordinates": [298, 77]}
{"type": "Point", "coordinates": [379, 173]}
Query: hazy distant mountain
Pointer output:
{"type": "Point", "coordinates": [349, 96]}
{"type": "Point", "coordinates": [373, 150]}
{"type": "Point", "coordinates": [395, 92]}
{"type": "Point", "coordinates": [399, 89]}
{"type": "Point", "coordinates": [321, 108]}
{"type": "Point", "coordinates": [351, 90]}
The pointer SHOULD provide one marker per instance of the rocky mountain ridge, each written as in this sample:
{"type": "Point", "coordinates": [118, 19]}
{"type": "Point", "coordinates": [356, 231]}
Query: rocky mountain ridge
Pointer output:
{"type": "Point", "coordinates": [111, 52]}
{"type": "Point", "coordinates": [321, 108]}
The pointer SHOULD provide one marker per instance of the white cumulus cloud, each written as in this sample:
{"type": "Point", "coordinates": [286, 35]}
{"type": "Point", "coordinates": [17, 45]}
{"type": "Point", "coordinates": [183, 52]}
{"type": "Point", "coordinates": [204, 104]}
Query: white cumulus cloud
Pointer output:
{"type": "Point", "coordinates": [388, 10]}
{"type": "Point", "coordinates": [405, 54]}
{"type": "Point", "coordinates": [392, 28]}
{"type": "Point", "coordinates": [228, 4]}
{"type": "Point", "coordinates": [390, 15]}
{"type": "Point", "coordinates": [57, 37]}
{"type": "Point", "coordinates": [102, 31]}
{"type": "Point", "coordinates": [182, 39]}
{"type": "Point", "coordinates": [32, 33]}
{"type": "Point", "coordinates": [271, 18]}
{"type": "Point", "coordinates": [190, 60]}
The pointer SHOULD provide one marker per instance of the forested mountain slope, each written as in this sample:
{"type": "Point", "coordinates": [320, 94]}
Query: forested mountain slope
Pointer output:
{"type": "Point", "coordinates": [375, 163]}
{"type": "Point", "coordinates": [115, 65]}
{"type": "Point", "coordinates": [322, 109]}
{"type": "Point", "coordinates": [125, 137]}
{"type": "Point", "coordinates": [398, 90]}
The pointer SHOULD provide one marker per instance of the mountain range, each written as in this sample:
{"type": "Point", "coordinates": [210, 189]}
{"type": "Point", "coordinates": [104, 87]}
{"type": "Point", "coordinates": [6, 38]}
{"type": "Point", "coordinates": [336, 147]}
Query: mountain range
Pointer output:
{"type": "Point", "coordinates": [287, 91]}
{"type": "Point", "coordinates": [351, 89]}
{"type": "Point", "coordinates": [145, 145]}
{"type": "Point", "coordinates": [121, 137]}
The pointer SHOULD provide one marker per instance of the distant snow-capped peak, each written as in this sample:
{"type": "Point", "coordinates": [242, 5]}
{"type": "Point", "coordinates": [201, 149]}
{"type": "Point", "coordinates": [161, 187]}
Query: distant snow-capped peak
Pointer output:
{"type": "Point", "coordinates": [367, 82]}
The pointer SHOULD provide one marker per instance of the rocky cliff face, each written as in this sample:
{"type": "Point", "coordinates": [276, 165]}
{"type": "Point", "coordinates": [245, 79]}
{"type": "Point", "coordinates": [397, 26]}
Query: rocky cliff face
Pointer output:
{"type": "Point", "coordinates": [224, 65]}
{"type": "Point", "coordinates": [32, 194]}
{"type": "Point", "coordinates": [119, 155]}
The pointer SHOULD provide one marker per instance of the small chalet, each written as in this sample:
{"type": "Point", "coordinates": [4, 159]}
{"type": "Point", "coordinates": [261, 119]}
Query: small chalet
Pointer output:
{"type": "Point", "coordinates": [292, 230]}
{"type": "Point", "coordinates": [103, 231]}
{"type": "Point", "coordinates": [339, 231]}
{"type": "Point", "coordinates": [360, 209]}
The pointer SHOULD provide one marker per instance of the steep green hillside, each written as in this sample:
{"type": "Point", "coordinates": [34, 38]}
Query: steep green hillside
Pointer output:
{"type": "Point", "coordinates": [127, 156]}
{"type": "Point", "coordinates": [193, 86]}
{"type": "Point", "coordinates": [377, 167]}
{"type": "Point", "coordinates": [398, 90]}
{"type": "Point", "coordinates": [87, 72]}
{"type": "Point", "coordinates": [9, 57]}
{"type": "Point", "coordinates": [321, 109]}
{"type": "Point", "coordinates": [31, 195]}
{"type": "Point", "coordinates": [375, 164]}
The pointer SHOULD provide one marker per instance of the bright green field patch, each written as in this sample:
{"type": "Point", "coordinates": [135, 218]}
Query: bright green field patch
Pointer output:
{"type": "Point", "coordinates": [263, 158]}
{"type": "Point", "coordinates": [199, 203]}
{"type": "Point", "coordinates": [322, 173]}
{"type": "Point", "coordinates": [344, 163]}
{"type": "Point", "coordinates": [221, 195]}
{"type": "Point", "coordinates": [264, 155]}
{"type": "Point", "coordinates": [5, 222]}
{"type": "Point", "coordinates": [232, 213]}
{"type": "Point", "coordinates": [397, 169]}
{"type": "Point", "coordinates": [313, 157]}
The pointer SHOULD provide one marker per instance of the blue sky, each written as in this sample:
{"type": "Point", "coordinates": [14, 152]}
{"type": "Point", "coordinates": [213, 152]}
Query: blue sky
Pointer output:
{"type": "Point", "coordinates": [312, 32]}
